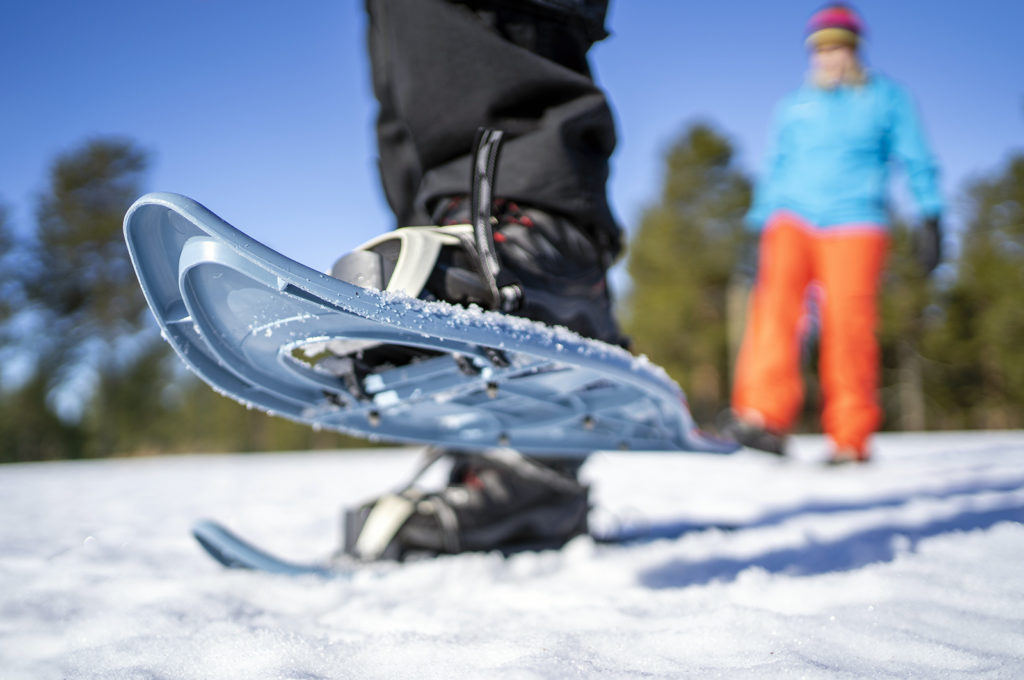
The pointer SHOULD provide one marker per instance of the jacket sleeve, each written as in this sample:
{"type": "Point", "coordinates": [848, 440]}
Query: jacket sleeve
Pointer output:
{"type": "Point", "coordinates": [910, 147]}
{"type": "Point", "coordinates": [765, 200]}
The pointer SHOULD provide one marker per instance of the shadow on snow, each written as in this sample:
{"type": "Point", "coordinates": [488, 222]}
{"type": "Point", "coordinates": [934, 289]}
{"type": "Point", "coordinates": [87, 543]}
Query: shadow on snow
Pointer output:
{"type": "Point", "coordinates": [872, 545]}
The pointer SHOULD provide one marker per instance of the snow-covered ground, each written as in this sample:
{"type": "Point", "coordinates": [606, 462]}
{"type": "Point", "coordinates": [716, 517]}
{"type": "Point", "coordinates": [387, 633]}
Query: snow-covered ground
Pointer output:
{"type": "Point", "coordinates": [910, 567]}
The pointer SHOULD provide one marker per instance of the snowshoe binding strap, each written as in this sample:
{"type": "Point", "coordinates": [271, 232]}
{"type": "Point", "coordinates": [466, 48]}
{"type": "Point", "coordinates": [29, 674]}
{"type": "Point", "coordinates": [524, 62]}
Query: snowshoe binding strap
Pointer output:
{"type": "Point", "coordinates": [381, 525]}
{"type": "Point", "coordinates": [403, 260]}
{"type": "Point", "coordinates": [505, 292]}
{"type": "Point", "coordinates": [371, 529]}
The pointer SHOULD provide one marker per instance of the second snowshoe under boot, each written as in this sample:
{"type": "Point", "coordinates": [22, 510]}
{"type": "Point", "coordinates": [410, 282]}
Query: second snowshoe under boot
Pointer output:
{"type": "Point", "coordinates": [494, 501]}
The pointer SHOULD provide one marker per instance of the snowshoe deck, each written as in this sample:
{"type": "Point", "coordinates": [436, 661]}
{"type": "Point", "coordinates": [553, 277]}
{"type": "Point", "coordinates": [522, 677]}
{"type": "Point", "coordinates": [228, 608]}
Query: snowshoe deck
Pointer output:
{"type": "Point", "coordinates": [246, 319]}
{"type": "Point", "coordinates": [237, 553]}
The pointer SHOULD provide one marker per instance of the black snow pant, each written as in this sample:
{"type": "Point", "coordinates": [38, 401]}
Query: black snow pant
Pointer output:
{"type": "Point", "coordinates": [442, 69]}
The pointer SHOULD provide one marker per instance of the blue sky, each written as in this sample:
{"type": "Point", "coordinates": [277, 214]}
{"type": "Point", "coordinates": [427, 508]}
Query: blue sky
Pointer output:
{"type": "Point", "coordinates": [263, 110]}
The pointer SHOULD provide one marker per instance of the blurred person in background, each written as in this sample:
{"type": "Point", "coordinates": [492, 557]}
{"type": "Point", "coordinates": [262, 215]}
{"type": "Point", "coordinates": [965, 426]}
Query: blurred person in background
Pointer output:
{"type": "Point", "coordinates": [820, 211]}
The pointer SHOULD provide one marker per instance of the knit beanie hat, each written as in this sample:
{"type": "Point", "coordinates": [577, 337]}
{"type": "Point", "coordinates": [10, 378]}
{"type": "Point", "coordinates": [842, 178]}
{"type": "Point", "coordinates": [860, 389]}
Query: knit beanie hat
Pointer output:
{"type": "Point", "coordinates": [834, 24]}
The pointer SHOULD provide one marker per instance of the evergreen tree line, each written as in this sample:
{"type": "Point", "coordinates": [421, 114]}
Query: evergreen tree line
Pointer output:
{"type": "Point", "coordinates": [85, 373]}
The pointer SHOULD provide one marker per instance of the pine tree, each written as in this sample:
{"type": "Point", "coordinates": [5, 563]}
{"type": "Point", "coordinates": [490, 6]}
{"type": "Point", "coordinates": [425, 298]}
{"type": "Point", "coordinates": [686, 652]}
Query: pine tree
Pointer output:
{"type": "Point", "coordinates": [979, 380]}
{"type": "Point", "coordinates": [681, 259]}
{"type": "Point", "coordinates": [100, 380]}
{"type": "Point", "coordinates": [905, 306]}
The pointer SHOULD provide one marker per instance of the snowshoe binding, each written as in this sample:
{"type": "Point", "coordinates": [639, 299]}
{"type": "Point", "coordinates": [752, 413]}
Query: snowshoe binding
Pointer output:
{"type": "Point", "coordinates": [493, 253]}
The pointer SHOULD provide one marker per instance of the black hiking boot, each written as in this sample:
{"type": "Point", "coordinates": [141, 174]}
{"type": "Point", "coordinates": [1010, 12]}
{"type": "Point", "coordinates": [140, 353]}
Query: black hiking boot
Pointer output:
{"type": "Point", "coordinates": [752, 435]}
{"type": "Point", "coordinates": [498, 254]}
{"type": "Point", "coordinates": [494, 501]}
{"type": "Point", "coordinates": [848, 455]}
{"type": "Point", "coordinates": [559, 271]}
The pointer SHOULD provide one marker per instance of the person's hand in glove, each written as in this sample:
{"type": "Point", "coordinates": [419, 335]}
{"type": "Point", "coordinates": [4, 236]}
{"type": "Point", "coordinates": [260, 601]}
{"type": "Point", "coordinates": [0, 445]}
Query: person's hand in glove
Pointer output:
{"type": "Point", "coordinates": [928, 245]}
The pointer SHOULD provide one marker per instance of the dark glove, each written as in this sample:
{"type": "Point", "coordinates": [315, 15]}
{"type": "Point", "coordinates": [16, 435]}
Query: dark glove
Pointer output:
{"type": "Point", "coordinates": [928, 245]}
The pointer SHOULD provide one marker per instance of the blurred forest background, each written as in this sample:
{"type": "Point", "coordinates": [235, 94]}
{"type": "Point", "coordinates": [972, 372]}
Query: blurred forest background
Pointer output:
{"type": "Point", "coordinates": [87, 375]}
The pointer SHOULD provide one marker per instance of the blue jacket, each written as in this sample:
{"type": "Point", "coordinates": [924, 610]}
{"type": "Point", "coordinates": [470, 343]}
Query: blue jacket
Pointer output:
{"type": "Point", "coordinates": [830, 151]}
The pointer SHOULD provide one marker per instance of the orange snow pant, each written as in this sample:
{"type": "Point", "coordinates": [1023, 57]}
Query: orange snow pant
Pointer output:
{"type": "Point", "coordinates": [846, 261]}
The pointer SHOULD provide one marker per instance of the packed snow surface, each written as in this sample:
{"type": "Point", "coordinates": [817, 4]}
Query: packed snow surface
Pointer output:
{"type": "Point", "coordinates": [912, 566]}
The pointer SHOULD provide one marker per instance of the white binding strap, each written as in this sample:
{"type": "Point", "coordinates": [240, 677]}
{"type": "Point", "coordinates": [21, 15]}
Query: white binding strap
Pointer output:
{"type": "Point", "coordinates": [418, 250]}
{"type": "Point", "coordinates": [386, 517]}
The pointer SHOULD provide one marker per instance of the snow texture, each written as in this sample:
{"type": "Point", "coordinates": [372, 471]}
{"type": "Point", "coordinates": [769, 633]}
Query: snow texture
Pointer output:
{"type": "Point", "coordinates": [908, 567]}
